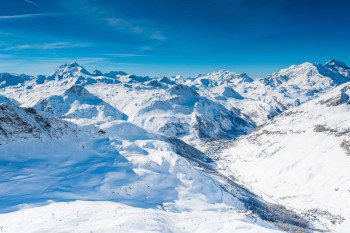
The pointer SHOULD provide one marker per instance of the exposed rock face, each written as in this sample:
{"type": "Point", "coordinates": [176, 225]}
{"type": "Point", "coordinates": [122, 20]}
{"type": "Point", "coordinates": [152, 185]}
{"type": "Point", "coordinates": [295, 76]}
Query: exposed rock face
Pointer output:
{"type": "Point", "coordinates": [97, 73]}
{"type": "Point", "coordinates": [25, 123]}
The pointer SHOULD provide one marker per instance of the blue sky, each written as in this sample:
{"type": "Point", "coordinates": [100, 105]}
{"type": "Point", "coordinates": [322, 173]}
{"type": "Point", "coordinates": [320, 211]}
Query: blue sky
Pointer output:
{"type": "Point", "coordinates": [163, 37]}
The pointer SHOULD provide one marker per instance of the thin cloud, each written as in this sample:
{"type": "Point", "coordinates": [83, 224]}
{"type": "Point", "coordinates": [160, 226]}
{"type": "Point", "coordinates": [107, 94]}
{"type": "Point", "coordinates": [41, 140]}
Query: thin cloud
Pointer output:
{"type": "Point", "coordinates": [102, 13]}
{"type": "Point", "coordinates": [47, 46]}
{"type": "Point", "coordinates": [26, 16]}
{"type": "Point", "coordinates": [128, 26]}
{"type": "Point", "coordinates": [33, 3]}
{"type": "Point", "coordinates": [23, 16]}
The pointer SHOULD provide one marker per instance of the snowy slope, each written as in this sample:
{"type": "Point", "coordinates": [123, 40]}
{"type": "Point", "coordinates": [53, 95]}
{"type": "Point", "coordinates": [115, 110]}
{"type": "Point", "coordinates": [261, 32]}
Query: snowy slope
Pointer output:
{"type": "Point", "coordinates": [182, 112]}
{"type": "Point", "coordinates": [298, 84]}
{"type": "Point", "coordinates": [44, 160]}
{"type": "Point", "coordinates": [51, 159]}
{"type": "Point", "coordinates": [24, 123]}
{"type": "Point", "coordinates": [262, 99]}
{"type": "Point", "coordinates": [115, 138]}
{"type": "Point", "coordinates": [78, 103]}
{"type": "Point", "coordinates": [108, 217]}
{"type": "Point", "coordinates": [301, 159]}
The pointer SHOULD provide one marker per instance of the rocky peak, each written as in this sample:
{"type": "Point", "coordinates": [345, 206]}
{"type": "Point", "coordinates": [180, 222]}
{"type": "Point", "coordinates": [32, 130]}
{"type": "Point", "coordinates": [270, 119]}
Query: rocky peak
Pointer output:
{"type": "Point", "coordinates": [97, 73]}
{"type": "Point", "coordinates": [69, 68]}
{"type": "Point", "coordinates": [336, 63]}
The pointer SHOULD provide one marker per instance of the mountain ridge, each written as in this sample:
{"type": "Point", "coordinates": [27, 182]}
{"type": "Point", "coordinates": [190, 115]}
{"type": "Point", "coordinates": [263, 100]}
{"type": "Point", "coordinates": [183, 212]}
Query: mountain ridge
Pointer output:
{"type": "Point", "coordinates": [215, 139]}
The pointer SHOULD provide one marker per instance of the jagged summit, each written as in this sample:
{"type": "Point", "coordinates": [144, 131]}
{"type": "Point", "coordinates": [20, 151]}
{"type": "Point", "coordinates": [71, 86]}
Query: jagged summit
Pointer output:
{"type": "Point", "coordinates": [337, 63]}
{"type": "Point", "coordinates": [113, 74]}
{"type": "Point", "coordinates": [310, 71]}
{"type": "Point", "coordinates": [182, 90]}
{"type": "Point", "coordinates": [78, 91]}
{"type": "Point", "coordinates": [69, 65]}
{"type": "Point", "coordinates": [311, 74]}
{"type": "Point", "coordinates": [97, 73]}
{"type": "Point", "coordinates": [72, 67]}
{"type": "Point", "coordinates": [166, 80]}
{"type": "Point", "coordinates": [79, 103]}
{"type": "Point", "coordinates": [227, 74]}
{"type": "Point", "coordinates": [223, 76]}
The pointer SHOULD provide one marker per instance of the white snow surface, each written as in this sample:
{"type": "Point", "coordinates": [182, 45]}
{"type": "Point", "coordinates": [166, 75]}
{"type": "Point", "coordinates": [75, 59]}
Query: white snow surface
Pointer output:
{"type": "Point", "coordinates": [84, 152]}
{"type": "Point", "coordinates": [301, 158]}
{"type": "Point", "coordinates": [152, 188]}
{"type": "Point", "coordinates": [108, 217]}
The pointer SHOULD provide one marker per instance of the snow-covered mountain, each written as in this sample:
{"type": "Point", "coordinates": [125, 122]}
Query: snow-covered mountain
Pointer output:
{"type": "Point", "coordinates": [298, 84]}
{"type": "Point", "coordinates": [301, 159]}
{"type": "Point", "coordinates": [47, 159]}
{"type": "Point", "coordinates": [275, 150]}
{"type": "Point", "coordinates": [78, 103]}
{"type": "Point", "coordinates": [221, 78]}
{"type": "Point", "coordinates": [181, 112]}
{"type": "Point", "coordinates": [262, 99]}
{"type": "Point", "coordinates": [257, 100]}
{"type": "Point", "coordinates": [25, 123]}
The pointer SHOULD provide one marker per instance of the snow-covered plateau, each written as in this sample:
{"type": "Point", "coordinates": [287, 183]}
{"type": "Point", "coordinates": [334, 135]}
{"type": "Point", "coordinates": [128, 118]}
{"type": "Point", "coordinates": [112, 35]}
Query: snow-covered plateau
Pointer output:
{"type": "Point", "coordinates": [220, 152]}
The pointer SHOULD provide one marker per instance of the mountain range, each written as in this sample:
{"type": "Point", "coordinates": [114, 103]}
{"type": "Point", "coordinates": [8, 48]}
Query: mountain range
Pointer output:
{"type": "Point", "coordinates": [219, 152]}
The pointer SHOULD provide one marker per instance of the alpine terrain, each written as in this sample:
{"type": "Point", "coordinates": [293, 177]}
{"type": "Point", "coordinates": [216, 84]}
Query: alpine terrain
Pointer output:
{"type": "Point", "coordinates": [219, 152]}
